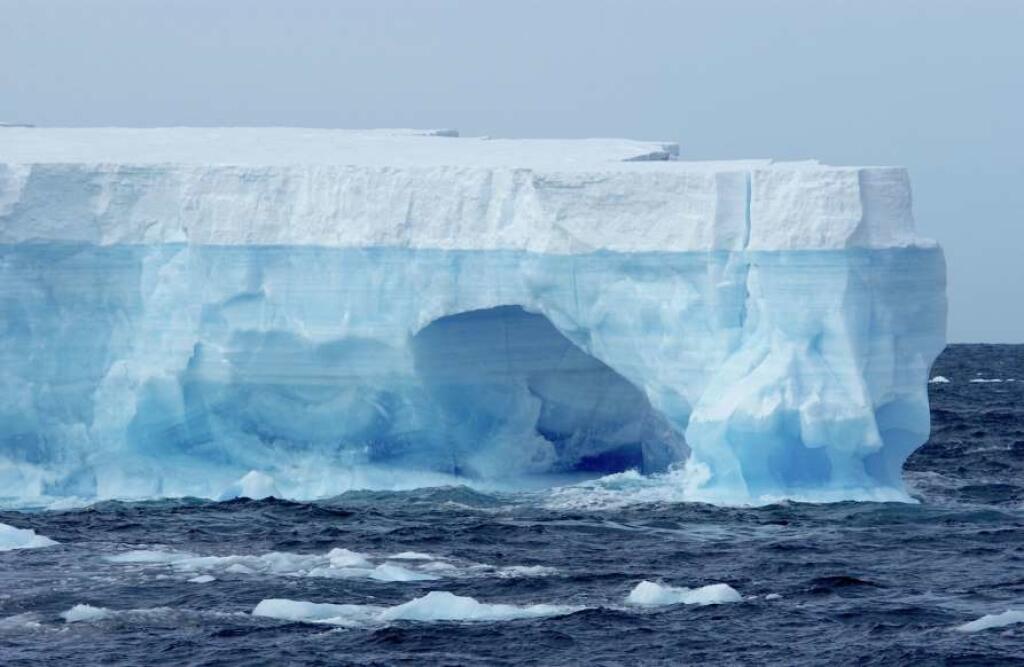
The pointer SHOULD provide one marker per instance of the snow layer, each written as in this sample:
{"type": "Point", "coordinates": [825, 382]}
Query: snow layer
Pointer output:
{"type": "Point", "coordinates": [227, 312]}
{"type": "Point", "coordinates": [12, 538]}
{"type": "Point", "coordinates": [336, 188]}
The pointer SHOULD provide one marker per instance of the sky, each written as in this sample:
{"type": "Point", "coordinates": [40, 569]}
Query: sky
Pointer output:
{"type": "Point", "coordinates": [934, 85]}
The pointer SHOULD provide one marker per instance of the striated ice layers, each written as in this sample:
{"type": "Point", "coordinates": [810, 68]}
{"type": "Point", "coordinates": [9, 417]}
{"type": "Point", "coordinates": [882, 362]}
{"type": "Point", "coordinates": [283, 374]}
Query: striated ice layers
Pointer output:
{"type": "Point", "coordinates": [201, 311]}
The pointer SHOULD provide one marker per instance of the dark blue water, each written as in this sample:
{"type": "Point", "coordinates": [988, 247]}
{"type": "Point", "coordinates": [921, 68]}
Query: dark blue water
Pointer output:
{"type": "Point", "coordinates": [857, 583]}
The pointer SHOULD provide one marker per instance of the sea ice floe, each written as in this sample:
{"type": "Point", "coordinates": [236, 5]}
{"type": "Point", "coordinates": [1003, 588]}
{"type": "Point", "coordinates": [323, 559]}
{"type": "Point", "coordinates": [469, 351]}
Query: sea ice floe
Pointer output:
{"type": "Point", "coordinates": [434, 606]}
{"type": "Point", "coordinates": [12, 538]}
{"type": "Point", "coordinates": [84, 612]}
{"type": "Point", "coordinates": [411, 555]}
{"type": "Point", "coordinates": [1008, 617]}
{"type": "Point", "coordinates": [649, 593]}
{"type": "Point", "coordinates": [338, 563]}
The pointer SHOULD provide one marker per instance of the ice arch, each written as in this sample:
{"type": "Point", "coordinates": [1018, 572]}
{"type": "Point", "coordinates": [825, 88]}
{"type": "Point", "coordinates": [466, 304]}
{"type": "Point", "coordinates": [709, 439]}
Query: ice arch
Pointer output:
{"type": "Point", "coordinates": [515, 395]}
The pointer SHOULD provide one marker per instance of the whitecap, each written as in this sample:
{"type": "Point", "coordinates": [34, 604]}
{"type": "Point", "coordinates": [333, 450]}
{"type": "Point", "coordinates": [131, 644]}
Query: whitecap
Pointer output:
{"type": "Point", "coordinates": [254, 485]}
{"type": "Point", "coordinates": [338, 563]}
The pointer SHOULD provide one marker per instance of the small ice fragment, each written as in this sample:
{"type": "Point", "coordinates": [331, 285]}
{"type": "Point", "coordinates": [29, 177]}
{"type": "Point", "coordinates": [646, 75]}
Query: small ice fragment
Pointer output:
{"type": "Point", "coordinates": [315, 612]}
{"type": "Point", "coordinates": [445, 606]}
{"type": "Point", "coordinates": [12, 538]}
{"type": "Point", "coordinates": [939, 379]}
{"type": "Point", "coordinates": [394, 572]}
{"type": "Point", "coordinates": [203, 579]}
{"type": "Point", "coordinates": [346, 558]}
{"type": "Point", "coordinates": [772, 596]}
{"type": "Point", "coordinates": [411, 555]}
{"type": "Point", "coordinates": [1008, 617]}
{"type": "Point", "coordinates": [649, 593]}
{"type": "Point", "coordinates": [84, 612]}
{"type": "Point", "coordinates": [434, 606]}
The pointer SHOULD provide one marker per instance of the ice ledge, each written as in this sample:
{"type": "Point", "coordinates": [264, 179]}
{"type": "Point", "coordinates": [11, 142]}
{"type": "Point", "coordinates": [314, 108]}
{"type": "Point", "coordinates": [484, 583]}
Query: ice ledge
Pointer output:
{"type": "Point", "coordinates": [430, 189]}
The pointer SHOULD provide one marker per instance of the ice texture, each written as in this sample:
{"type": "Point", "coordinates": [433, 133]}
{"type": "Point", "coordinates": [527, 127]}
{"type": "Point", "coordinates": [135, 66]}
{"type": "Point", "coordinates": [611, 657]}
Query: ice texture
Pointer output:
{"type": "Point", "coordinates": [245, 311]}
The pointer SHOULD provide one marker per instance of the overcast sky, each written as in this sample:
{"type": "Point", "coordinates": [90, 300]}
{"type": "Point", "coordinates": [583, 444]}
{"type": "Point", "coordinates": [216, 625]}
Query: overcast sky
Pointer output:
{"type": "Point", "coordinates": [935, 85]}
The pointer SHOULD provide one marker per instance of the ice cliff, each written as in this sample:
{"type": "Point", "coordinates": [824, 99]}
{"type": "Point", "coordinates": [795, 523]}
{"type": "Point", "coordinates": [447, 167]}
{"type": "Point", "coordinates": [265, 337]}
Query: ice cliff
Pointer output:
{"type": "Point", "coordinates": [337, 309]}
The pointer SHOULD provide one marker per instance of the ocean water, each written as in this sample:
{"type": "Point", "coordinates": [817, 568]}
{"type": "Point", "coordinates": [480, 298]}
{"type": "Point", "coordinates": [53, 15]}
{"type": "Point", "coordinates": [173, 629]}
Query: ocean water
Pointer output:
{"type": "Point", "coordinates": [553, 575]}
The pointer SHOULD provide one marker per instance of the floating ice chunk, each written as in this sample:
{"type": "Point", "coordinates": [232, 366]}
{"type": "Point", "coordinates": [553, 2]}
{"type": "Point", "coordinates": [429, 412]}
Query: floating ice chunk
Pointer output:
{"type": "Point", "coordinates": [985, 380]}
{"type": "Point", "coordinates": [314, 612]}
{"type": "Point", "coordinates": [254, 485]}
{"type": "Point", "coordinates": [84, 612]}
{"type": "Point", "coordinates": [12, 538]}
{"type": "Point", "coordinates": [1008, 617]}
{"type": "Point", "coordinates": [434, 606]}
{"type": "Point", "coordinates": [340, 557]}
{"type": "Point", "coordinates": [394, 572]}
{"type": "Point", "coordinates": [445, 606]}
{"type": "Point", "coordinates": [411, 555]}
{"type": "Point", "coordinates": [772, 596]}
{"type": "Point", "coordinates": [203, 579]}
{"type": "Point", "coordinates": [939, 379]}
{"type": "Point", "coordinates": [648, 593]}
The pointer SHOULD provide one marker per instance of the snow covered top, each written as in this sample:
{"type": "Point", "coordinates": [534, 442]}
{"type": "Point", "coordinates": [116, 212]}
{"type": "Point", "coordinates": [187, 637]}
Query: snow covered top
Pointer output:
{"type": "Point", "coordinates": [430, 189]}
{"type": "Point", "coordinates": [279, 146]}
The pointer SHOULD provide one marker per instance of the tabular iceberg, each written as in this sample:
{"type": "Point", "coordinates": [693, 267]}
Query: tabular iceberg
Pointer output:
{"type": "Point", "coordinates": [335, 309]}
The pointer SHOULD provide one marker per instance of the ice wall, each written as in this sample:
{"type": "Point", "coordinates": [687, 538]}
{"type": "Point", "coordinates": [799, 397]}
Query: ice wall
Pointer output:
{"type": "Point", "coordinates": [345, 309]}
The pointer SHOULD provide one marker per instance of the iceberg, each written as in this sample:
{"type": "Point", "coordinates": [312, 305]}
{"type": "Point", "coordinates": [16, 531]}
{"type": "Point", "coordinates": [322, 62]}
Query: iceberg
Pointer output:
{"type": "Point", "coordinates": [252, 311]}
